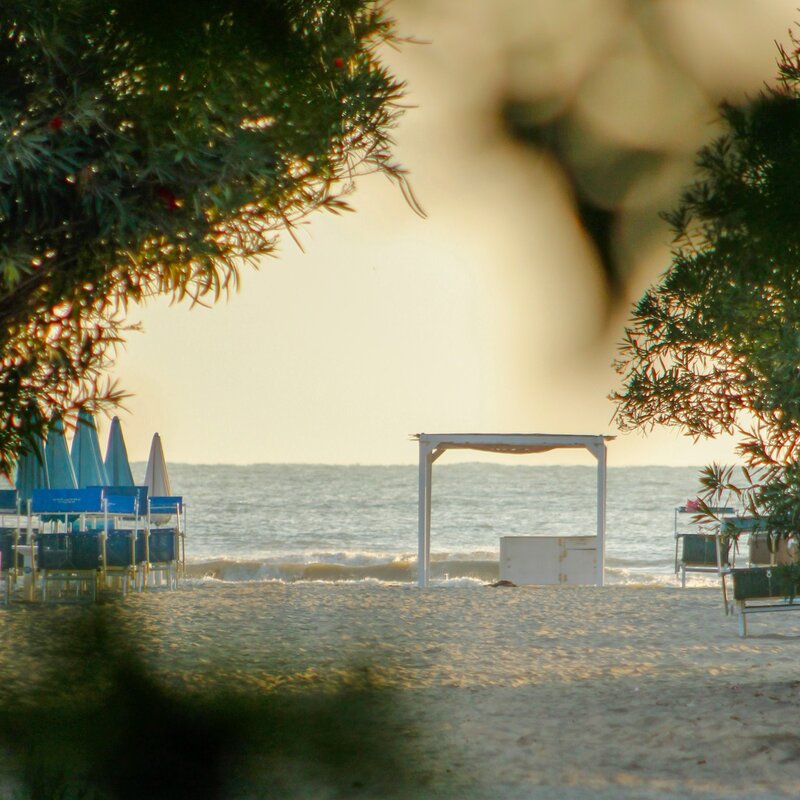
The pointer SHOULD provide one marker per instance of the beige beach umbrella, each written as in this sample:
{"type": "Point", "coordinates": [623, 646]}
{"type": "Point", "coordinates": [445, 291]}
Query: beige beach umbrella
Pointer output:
{"type": "Point", "coordinates": [156, 477]}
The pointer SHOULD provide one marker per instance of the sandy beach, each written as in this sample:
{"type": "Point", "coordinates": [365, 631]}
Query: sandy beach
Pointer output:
{"type": "Point", "coordinates": [615, 692]}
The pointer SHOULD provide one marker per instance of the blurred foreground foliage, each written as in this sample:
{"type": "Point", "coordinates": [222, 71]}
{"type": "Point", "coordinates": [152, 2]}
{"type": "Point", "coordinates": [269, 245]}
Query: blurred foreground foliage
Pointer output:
{"type": "Point", "coordinates": [715, 346]}
{"type": "Point", "coordinates": [148, 148]}
{"type": "Point", "coordinates": [107, 729]}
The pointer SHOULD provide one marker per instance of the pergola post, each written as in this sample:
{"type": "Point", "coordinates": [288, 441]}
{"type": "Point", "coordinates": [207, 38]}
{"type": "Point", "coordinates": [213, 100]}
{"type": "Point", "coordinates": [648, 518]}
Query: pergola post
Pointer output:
{"type": "Point", "coordinates": [424, 542]}
{"type": "Point", "coordinates": [600, 455]}
{"type": "Point", "coordinates": [427, 455]}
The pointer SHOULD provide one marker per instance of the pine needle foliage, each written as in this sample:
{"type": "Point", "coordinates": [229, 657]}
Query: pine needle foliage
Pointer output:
{"type": "Point", "coordinates": [715, 346]}
{"type": "Point", "coordinates": [151, 148]}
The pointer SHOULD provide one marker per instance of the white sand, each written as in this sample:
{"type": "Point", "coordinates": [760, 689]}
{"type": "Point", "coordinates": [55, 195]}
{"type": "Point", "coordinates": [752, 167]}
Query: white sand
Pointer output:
{"type": "Point", "coordinates": [619, 692]}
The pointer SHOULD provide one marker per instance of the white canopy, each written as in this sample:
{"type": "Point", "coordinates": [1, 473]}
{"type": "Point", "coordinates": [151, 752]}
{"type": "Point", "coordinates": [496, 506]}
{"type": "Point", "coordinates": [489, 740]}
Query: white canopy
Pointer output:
{"type": "Point", "coordinates": [432, 445]}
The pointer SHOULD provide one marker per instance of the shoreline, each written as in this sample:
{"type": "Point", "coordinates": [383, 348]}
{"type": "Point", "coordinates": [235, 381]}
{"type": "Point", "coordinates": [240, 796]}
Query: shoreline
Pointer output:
{"type": "Point", "coordinates": [570, 692]}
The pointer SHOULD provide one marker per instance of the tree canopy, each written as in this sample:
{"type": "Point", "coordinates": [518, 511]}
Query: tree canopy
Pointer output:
{"type": "Point", "coordinates": [148, 148]}
{"type": "Point", "coordinates": [715, 346]}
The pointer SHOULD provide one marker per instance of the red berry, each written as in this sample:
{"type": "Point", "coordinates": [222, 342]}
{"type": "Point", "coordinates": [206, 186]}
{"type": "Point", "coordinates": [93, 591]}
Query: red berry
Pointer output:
{"type": "Point", "coordinates": [168, 198]}
{"type": "Point", "coordinates": [338, 62]}
{"type": "Point", "coordinates": [55, 123]}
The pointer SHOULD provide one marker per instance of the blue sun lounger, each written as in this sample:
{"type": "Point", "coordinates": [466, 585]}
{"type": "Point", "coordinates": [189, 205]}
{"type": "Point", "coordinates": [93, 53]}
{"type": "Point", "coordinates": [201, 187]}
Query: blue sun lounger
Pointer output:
{"type": "Point", "coordinates": [11, 537]}
{"type": "Point", "coordinates": [125, 538]}
{"type": "Point", "coordinates": [74, 554]}
{"type": "Point", "coordinates": [166, 522]}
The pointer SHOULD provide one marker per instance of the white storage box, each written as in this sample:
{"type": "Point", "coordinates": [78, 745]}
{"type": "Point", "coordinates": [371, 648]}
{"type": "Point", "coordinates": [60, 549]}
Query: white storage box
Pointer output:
{"type": "Point", "coordinates": [540, 560]}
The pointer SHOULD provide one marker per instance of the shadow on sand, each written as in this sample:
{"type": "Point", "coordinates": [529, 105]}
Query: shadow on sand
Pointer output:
{"type": "Point", "coordinates": [108, 729]}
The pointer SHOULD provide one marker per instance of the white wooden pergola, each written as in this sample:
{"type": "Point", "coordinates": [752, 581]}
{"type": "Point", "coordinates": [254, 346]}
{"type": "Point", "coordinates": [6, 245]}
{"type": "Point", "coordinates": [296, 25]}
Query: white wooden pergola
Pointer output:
{"type": "Point", "coordinates": [432, 445]}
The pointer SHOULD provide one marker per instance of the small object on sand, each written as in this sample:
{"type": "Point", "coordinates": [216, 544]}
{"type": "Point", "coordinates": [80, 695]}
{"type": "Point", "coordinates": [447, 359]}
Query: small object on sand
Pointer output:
{"type": "Point", "coordinates": [502, 583]}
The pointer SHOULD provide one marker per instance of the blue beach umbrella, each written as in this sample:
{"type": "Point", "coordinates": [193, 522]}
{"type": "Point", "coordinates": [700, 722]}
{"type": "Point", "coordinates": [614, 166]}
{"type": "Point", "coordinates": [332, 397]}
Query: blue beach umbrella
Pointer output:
{"type": "Point", "coordinates": [56, 453]}
{"type": "Point", "coordinates": [85, 453]}
{"type": "Point", "coordinates": [118, 468]}
{"type": "Point", "coordinates": [31, 470]}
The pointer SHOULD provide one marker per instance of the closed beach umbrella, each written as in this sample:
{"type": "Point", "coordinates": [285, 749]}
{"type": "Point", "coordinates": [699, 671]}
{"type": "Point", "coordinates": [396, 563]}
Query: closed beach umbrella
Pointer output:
{"type": "Point", "coordinates": [59, 466]}
{"type": "Point", "coordinates": [85, 453]}
{"type": "Point", "coordinates": [118, 468]}
{"type": "Point", "coordinates": [31, 471]}
{"type": "Point", "coordinates": [156, 477]}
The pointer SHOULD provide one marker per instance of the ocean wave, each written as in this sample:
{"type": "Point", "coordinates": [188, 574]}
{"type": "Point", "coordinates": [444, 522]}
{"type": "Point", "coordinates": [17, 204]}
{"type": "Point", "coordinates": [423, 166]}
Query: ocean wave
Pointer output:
{"type": "Point", "coordinates": [443, 571]}
{"type": "Point", "coordinates": [387, 571]}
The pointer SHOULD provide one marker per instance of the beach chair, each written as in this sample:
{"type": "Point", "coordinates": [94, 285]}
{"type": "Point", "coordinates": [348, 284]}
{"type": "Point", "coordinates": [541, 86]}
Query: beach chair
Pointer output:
{"type": "Point", "coordinates": [76, 554]}
{"type": "Point", "coordinates": [700, 547]}
{"type": "Point", "coordinates": [761, 587]}
{"type": "Point", "coordinates": [9, 508]}
{"type": "Point", "coordinates": [10, 565]}
{"type": "Point", "coordinates": [11, 537]}
{"type": "Point", "coordinates": [166, 523]}
{"type": "Point", "coordinates": [125, 551]}
{"type": "Point", "coordinates": [70, 558]}
{"type": "Point", "coordinates": [759, 590]}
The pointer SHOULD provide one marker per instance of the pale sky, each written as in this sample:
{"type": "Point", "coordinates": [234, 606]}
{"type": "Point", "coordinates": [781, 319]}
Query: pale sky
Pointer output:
{"type": "Point", "coordinates": [483, 317]}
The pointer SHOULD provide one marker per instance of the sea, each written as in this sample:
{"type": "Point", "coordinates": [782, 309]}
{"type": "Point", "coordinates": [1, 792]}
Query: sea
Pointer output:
{"type": "Point", "coordinates": [316, 522]}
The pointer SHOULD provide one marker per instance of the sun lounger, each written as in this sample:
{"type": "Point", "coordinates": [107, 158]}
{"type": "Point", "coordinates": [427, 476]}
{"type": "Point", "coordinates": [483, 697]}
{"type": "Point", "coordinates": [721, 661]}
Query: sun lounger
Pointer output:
{"type": "Point", "coordinates": [9, 562]}
{"type": "Point", "coordinates": [166, 522]}
{"type": "Point", "coordinates": [125, 548]}
{"type": "Point", "coordinates": [699, 547]}
{"type": "Point", "coordinates": [75, 557]}
{"type": "Point", "coordinates": [762, 586]}
{"type": "Point", "coordinates": [758, 590]}
{"type": "Point", "coordinates": [72, 556]}
{"type": "Point", "coordinates": [11, 537]}
{"type": "Point", "coordinates": [99, 537]}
